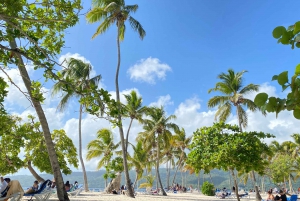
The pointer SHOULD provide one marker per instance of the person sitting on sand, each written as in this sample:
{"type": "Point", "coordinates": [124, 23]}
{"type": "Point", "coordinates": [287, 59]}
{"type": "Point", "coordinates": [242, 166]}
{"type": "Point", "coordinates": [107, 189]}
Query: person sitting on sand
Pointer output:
{"type": "Point", "coordinates": [270, 196]}
{"type": "Point", "coordinates": [34, 188]}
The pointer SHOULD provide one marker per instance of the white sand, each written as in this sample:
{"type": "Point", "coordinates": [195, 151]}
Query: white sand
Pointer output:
{"type": "Point", "coordinates": [96, 196]}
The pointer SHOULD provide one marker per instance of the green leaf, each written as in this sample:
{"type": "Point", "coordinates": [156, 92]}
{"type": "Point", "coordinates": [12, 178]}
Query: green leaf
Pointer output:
{"type": "Point", "coordinates": [285, 39]}
{"type": "Point", "coordinates": [283, 78]}
{"type": "Point", "coordinates": [261, 99]}
{"type": "Point", "coordinates": [296, 28]}
{"type": "Point", "coordinates": [298, 45]}
{"type": "Point", "coordinates": [297, 113]}
{"type": "Point", "coordinates": [278, 31]}
{"type": "Point", "coordinates": [275, 77]}
{"type": "Point", "coordinates": [297, 70]}
{"type": "Point", "coordinates": [284, 87]}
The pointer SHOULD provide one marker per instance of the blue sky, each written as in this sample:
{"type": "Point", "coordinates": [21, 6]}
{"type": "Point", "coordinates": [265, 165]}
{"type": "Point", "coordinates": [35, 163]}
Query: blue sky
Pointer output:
{"type": "Point", "coordinates": [189, 43]}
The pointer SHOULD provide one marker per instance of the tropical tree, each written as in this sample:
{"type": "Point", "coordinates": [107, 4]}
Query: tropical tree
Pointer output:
{"type": "Point", "coordinates": [180, 141]}
{"type": "Point", "coordinates": [158, 126]}
{"type": "Point", "coordinates": [109, 12]}
{"type": "Point", "coordinates": [39, 28]}
{"type": "Point", "coordinates": [233, 94]}
{"type": "Point", "coordinates": [102, 146]}
{"type": "Point", "coordinates": [77, 72]}
{"type": "Point", "coordinates": [231, 86]}
{"type": "Point", "coordinates": [134, 110]}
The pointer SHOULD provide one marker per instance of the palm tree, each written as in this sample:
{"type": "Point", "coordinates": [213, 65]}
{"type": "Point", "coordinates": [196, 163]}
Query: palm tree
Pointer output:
{"type": "Point", "coordinates": [102, 146]}
{"type": "Point", "coordinates": [110, 12]}
{"type": "Point", "coordinates": [134, 110]}
{"type": "Point", "coordinates": [157, 126]}
{"type": "Point", "coordinates": [231, 86]}
{"type": "Point", "coordinates": [79, 72]}
{"type": "Point", "coordinates": [180, 141]}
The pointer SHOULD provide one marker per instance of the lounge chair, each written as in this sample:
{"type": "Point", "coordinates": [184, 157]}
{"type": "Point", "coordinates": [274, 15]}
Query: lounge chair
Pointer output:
{"type": "Point", "coordinates": [75, 192]}
{"type": "Point", "coordinates": [293, 197]}
{"type": "Point", "coordinates": [13, 197]}
{"type": "Point", "coordinates": [43, 194]}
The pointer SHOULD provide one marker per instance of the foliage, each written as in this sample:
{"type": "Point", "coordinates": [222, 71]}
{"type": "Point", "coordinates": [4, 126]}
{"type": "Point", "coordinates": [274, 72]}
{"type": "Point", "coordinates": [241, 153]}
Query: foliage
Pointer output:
{"type": "Point", "coordinates": [292, 100]}
{"type": "Point", "coordinates": [223, 146]}
{"type": "Point", "coordinates": [233, 94]}
{"type": "Point", "coordinates": [208, 188]}
{"type": "Point", "coordinates": [149, 181]}
{"type": "Point", "coordinates": [288, 36]}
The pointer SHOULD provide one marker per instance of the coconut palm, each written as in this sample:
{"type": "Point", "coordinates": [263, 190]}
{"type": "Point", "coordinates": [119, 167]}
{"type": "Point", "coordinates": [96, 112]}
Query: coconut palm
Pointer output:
{"type": "Point", "coordinates": [134, 110]}
{"type": "Point", "coordinates": [233, 94]}
{"type": "Point", "coordinates": [157, 126]}
{"type": "Point", "coordinates": [77, 72]}
{"type": "Point", "coordinates": [102, 146]}
{"type": "Point", "coordinates": [109, 12]}
{"type": "Point", "coordinates": [180, 141]}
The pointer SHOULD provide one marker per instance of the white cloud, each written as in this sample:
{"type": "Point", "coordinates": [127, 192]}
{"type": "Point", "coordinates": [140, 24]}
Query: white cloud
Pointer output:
{"type": "Point", "coordinates": [162, 101]}
{"type": "Point", "coordinates": [148, 70]}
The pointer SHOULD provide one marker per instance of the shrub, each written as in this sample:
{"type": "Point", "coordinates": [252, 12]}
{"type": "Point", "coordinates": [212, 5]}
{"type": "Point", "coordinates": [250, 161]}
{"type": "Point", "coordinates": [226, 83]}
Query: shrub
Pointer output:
{"type": "Point", "coordinates": [208, 188]}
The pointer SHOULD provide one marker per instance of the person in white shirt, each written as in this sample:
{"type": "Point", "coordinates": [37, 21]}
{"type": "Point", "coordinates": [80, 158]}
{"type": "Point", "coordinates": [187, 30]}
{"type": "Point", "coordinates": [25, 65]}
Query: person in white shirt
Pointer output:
{"type": "Point", "coordinates": [3, 184]}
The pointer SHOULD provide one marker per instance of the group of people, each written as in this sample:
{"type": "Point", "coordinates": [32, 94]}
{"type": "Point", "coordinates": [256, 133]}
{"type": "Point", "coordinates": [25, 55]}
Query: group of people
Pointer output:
{"type": "Point", "coordinates": [71, 187]}
{"type": "Point", "coordinates": [9, 187]}
{"type": "Point", "coordinates": [280, 195]}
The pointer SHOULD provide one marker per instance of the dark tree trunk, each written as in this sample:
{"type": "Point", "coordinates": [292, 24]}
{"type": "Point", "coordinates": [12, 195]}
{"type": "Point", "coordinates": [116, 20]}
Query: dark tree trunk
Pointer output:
{"type": "Point", "coordinates": [235, 185]}
{"type": "Point", "coordinates": [33, 172]}
{"type": "Point", "coordinates": [61, 193]}
{"type": "Point", "coordinates": [124, 153]}
{"type": "Point", "coordinates": [86, 186]}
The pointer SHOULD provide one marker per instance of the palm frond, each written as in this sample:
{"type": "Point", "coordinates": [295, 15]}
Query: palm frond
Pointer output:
{"type": "Point", "coordinates": [249, 88]}
{"type": "Point", "coordinates": [96, 14]}
{"type": "Point", "coordinates": [223, 112]}
{"type": "Point", "coordinates": [136, 26]}
{"type": "Point", "coordinates": [217, 100]}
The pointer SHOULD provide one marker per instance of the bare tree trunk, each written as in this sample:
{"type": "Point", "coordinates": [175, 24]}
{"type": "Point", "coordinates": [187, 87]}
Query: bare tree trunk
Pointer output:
{"type": "Point", "coordinates": [86, 186]}
{"type": "Point", "coordinates": [61, 193]}
{"type": "Point", "coordinates": [126, 171]}
{"type": "Point", "coordinates": [127, 135]}
{"type": "Point", "coordinates": [210, 178]}
{"type": "Point", "coordinates": [157, 168]}
{"type": "Point", "coordinates": [136, 178]}
{"type": "Point", "coordinates": [257, 195]}
{"type": "Point", "coordinates": [33, 172]}
{"type": "Point", "coordinates": [179, 162]}
{"type": "Point", "coordinates": [167, 166]}
{"type": "Point", "coordinates": [291, 185]}
{"type": "Point", "coordinates": [181, 178]}
{"type": "Point", "coordinates": [199, 181]}
{"type": "Point", "coordinates": [230, 180]}
{"type": "Point", "coordinates": [235, 185]}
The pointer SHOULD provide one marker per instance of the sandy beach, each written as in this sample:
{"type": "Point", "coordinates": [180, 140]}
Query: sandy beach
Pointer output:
{"type": "Point", "coordinates": [96, 196]}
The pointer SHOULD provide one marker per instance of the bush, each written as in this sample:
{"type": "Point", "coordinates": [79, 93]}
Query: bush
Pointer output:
{"type": "Point", "coordinates": [208, 188]}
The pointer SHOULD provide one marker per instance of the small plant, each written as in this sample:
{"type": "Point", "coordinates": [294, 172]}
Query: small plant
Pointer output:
{"type": "Point", "coordinates": [208, 188]}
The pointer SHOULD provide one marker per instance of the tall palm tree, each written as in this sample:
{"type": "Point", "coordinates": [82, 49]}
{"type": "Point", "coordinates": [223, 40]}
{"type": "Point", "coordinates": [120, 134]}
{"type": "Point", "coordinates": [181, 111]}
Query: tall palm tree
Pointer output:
{"type": "Point", "coordinates": [110, 12]}
{"type": "Point", "coordinates": [233, 94]}
{"type": "Point", "coordinates": [180, 141]}
{"type": "Point", "coordinates": [134, 110]}
{"type": "Point", "coordinates": [79, 72]}
{"type": "Point", "coordinates": [102, 146]}
{"type": "Point", "coordinates": [158, 126]}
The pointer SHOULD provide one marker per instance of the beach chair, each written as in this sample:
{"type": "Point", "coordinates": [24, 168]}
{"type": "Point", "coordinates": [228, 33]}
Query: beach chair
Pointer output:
{"type": "Point", "coordinates": [294, 198]}
{"type": "Point", "coordinates": [13, 197]}
{"type": "Point", "coordinates": [43, 194]}
{"type": "Point", "coordinates": [75, 192]}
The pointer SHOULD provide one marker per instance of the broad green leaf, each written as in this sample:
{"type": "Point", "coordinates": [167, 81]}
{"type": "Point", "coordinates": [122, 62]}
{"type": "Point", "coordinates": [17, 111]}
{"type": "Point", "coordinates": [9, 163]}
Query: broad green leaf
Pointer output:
{"type": "Point", "coordinates": [297, 70]}
{"type": "Point", "coordinates": [298, 45]}
{"type": "Point", "coordinates": [285, 39]}
{"type": "Point", "coordinates": [296, 28]}
{"type": "Point", "coordinates": [278, 31]}
{"type": "Point", "coordinates": [284, 87]}
{"type": "Point", "coordinates": [283, 78]}
{"type": "Point", "coordinates": [261, 99]}
{"type": "Point", "coordinates": [297, 113]}
{"type": "Point", "coordinates": [275, 77]}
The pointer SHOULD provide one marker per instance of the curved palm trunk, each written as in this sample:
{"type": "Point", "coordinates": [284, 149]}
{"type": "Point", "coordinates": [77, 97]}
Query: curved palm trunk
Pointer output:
{"type": "Point", "coordinates": [291, 185]}
{"type": "Point", "coordinates": [130, 190]}
{"type": "Point", "coordinates": [127, 135]}
{"type": "Point", "coordinates": [33, 172]}
{"type": "Point", "coordinates": [239, 119]}
{"type": "Point", "coordinates": [235, 184]}
{"type": "Point", "coordinates": [157, 168]}
{"type": "Point", "coordinates": [61, 193]}
{"type": "Point", "coordinates": [136, 178]}
{"type": "Point", "coordinates": [86, 186]}
{"type": "Point", "coordinates": [179, 163]}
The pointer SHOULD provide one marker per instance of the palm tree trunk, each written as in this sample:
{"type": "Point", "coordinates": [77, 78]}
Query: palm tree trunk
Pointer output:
{"type": "Point", "coordinates": [239, 119]}
{"type": "Point", "coordinates": [126, 172]}
{"type": "Point", "coordinates": [199, 181]}
{"type": "Point", "coordinates": [157, 168]}
{"type": "Point", "coordinates": [167, 168]}
{"type": "Point", "coordinates": [235, 184]}
{"type": "Point", "coordinates": [257, 195]}
{"type": "Point", "coordinates": [86, 186]}
{"type": "Point", "coordinates": [230, 180]}
{"type": "Point", "coordinates": [136, 178]}
{"type": "Point", "coordinates": [210, 178]}
{"type": "Point", "coordinates": [290, 184]}
{"type": "Point", "coordinates": [127, 135]}
{"type": "Point", "coordinates": [179, 162]}
{"type": "Point", "coordinates": [181, 178]}
{"type": "Point", "coordinates": [33, 172]}
{"type": "Point", "coordinates": [61, 193]}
